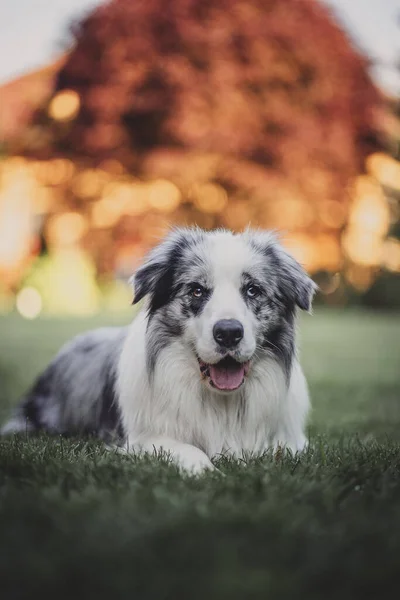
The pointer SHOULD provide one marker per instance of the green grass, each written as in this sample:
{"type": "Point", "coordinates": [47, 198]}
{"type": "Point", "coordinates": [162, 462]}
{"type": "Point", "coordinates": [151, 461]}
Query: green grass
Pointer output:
{"type": "Point", "coordinates": [76, 521]}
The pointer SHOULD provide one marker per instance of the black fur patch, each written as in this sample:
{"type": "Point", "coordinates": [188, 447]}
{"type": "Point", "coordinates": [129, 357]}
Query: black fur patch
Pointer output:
{"type": "Point", "coordinates": [280, 340]}
{"type": "Point", "coordinates": [157, 278]}
{"type": "Point", "coordinates": [110, 424]}
{"type": "Point", "coordinates": [195, 305]}
{"type": "Point", "coordinates": [256, 303]}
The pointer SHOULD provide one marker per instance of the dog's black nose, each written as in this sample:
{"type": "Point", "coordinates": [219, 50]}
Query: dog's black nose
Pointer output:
{"type": "Point", "coordinates": [228, 332]}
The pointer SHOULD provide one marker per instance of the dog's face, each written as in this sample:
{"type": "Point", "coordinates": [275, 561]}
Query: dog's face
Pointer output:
{"type": "Point", "coordinates": [230, 298]}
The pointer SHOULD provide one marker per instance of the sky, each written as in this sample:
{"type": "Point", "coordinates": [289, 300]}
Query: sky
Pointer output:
{"type": "Point", "coordinates": [34, 32]}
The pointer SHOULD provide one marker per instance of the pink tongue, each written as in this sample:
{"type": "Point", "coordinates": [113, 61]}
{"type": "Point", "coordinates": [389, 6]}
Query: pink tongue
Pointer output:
{"type": "Point", "coordinates": [227, 378]}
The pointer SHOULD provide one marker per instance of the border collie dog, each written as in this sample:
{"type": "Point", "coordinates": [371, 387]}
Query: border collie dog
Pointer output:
{"type": "Point", "coordinates": [207, 367]}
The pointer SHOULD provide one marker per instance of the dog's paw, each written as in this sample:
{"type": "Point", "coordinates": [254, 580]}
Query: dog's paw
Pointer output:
{"type": "Point", "coordinates": [194, 462]}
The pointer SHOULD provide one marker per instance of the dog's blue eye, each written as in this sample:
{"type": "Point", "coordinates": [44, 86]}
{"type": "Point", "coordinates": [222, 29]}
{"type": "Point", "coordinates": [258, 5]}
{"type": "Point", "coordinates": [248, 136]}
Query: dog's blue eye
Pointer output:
{"type": "Point", "coordinates": [252, 291]}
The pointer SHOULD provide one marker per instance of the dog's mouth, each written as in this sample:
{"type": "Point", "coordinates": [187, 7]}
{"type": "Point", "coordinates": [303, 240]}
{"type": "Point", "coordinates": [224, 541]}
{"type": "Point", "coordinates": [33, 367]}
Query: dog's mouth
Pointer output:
{"type": "Point", "coordinates": [226, 375]}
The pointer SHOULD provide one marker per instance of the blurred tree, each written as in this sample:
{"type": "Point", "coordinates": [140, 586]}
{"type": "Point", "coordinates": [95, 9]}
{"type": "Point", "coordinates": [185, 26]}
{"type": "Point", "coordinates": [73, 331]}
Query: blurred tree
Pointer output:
{"type": "Point", "coordinates": [385, 289]}
{"type": "Point", "coordinates": [274, 84]}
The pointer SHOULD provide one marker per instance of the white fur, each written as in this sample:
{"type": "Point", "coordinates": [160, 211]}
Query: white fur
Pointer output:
{"type": "Point", "coordinates": [228, 258]}
{"type": "Point", "coordinates": [178, 414]}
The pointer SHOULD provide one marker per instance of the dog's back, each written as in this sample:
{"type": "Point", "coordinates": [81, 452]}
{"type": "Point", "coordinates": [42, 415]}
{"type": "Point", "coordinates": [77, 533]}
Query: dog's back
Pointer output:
{"type": "Point", "coordinates": [75, 394]}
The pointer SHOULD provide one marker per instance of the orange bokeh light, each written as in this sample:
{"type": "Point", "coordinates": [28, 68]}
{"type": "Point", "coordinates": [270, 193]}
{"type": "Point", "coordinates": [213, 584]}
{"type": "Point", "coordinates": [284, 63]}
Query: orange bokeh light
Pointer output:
{"type": "Point", "coordinates": [362, 248]}
{"type": "Point", "coordinates": [390, 258]}
{"type": "Point", "coordinates": [209, 197]}
{"type": "Point", "coordinates": [385, 169]}
{"type": "Point", "coordinates": [163, 195]}
{"type": "Point", "coordinates": [89, 183]}
{"type": "Point", "coordinates": [303, 248]}
{"type": "Point", "coordinates": [64, 106]}
{"type": "Point", "coordinates": [290, 213]}
{"type": "Point", "coordinates": [66, 229]}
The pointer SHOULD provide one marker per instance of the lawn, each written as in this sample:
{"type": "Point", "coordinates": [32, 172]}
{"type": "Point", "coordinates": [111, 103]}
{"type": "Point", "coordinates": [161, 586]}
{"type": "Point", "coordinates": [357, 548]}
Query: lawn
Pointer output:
{"type": "Point", "coordinates": [79, 522]}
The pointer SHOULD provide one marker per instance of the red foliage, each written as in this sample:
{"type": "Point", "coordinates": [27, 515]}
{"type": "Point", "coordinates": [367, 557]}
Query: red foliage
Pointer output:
{"type": "Point", "coordinates": [274, 83]}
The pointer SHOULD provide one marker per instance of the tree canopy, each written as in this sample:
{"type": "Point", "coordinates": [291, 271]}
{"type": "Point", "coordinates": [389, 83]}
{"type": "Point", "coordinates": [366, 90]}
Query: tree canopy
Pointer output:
{"type": "Point", "coordinates": [259, 111]}
{"type": "Point", "coordinates": [275, 83]}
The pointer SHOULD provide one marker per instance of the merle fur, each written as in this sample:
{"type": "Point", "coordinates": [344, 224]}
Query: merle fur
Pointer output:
{"type": "Point", "coordinates": [45, 405]}
{"type": "Point", "coordinates": [161, 331]}
{"type": "Point", "coordinates": [294, 287]}
{"type": "Point", "coordinates": [158, 279]}
{"type": "Point", "coordinates": [279, 340]}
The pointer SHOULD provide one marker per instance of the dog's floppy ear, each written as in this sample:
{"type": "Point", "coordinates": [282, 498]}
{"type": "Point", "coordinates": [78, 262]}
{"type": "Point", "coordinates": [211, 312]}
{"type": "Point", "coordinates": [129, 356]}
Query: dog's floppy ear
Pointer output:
{"type": "Point", "coordinates": [294, 283]}
{"type": "Point", "coordinates": [145, 279]}
{"type": "Point", "coordinates": [153, 272]}
{"type": "Point", "coordinates": [156, 276]}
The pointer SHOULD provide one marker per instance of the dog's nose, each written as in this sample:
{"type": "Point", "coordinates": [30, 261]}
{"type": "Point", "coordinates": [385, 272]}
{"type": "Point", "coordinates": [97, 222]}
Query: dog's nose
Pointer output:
{"type": "Point", "coordinates": [228, 332]}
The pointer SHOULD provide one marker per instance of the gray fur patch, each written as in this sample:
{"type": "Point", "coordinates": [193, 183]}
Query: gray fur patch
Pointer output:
{"type": "Point", "coordinates": [75, 394]}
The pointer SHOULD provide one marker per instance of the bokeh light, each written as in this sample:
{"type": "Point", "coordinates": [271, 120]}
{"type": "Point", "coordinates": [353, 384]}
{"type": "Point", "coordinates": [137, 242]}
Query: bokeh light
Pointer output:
{"type": "Point", "coordinates": [64, 106]}
{"type": "Point", "coordinates": [390, 258]}
{"type": "Point", "coordinates": [164, 196]}
{"type": "Point", "coordinates": [209, 197]}
{"type": "Point", "coordinates": [66, 229]}
{"type": "Point", "coordinates": [29, 303]}
{"type": "Point", "coordinates": [385, 168]}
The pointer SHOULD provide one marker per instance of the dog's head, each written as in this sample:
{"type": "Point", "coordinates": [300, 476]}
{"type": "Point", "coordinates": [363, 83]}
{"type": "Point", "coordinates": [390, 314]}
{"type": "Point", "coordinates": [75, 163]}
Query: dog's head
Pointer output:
{"type": "Point", "coordinates": [231, 298]}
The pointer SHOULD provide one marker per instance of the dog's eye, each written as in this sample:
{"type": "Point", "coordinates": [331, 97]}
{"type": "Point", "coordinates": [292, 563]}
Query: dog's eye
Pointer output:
{"type": "Point", "coordinates": [197, 291]}
{"type": "Point", "coordinates": [253, 291]}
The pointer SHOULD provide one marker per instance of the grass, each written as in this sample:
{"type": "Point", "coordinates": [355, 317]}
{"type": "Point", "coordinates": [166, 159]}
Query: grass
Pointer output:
{"type": "Point", "coordinates": [76, 521]}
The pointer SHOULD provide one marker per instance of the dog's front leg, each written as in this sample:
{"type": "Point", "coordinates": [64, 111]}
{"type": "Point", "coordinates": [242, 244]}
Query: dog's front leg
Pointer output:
{"type": "Point", "coordinates": [187, 457]}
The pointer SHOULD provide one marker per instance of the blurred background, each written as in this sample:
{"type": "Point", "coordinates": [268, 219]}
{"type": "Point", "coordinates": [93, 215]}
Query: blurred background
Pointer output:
{"type": "Point", "coordinates": [120, 119]}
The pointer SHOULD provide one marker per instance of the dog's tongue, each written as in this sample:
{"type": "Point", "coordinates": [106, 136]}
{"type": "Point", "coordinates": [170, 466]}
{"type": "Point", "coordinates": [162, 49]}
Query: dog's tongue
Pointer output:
{"type": "Point", "coordinates": [227, 377]}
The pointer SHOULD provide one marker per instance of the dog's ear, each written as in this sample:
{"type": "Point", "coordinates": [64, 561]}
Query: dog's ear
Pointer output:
{"type": "Point", "coordinates": [294, 283]}
{"type": "Point", "coordinates": [145, 279]}
{"type": "Point", "coordinates": [154, 272]}
{"type": "Point", "coordinates": [156, 276]}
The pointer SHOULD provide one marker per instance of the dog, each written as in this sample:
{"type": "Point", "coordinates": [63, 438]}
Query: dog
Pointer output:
{"type": "Point", "coordinates": [208, 366]}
